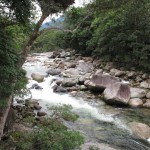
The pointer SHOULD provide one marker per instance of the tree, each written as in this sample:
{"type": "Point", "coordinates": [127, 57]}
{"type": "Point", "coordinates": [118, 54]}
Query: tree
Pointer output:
{"type": "Point", "coordinates": [14, 15]}
{"type": "Point", "coordinates": [47, 7]}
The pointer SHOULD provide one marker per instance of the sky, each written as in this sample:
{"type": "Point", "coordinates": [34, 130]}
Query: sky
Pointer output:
{"type": "Point", "coordinates": [78, 3]}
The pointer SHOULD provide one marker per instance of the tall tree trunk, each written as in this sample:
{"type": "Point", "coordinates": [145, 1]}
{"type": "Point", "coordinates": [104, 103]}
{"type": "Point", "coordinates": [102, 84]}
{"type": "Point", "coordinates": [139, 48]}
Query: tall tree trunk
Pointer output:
{"type": "Point", "coordinates": [31, 40]}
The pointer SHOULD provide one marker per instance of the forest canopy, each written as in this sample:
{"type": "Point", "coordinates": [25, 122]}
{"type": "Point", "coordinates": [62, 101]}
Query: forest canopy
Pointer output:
{"type": "Point", "coordinates": [111, 30]}
{"type": "Point", "coordinates": [17, 34]}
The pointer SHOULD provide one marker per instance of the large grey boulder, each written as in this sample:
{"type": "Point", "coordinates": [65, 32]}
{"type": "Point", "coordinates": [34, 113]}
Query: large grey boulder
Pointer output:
{"type": "Point", "coordinates": [69, 82]}
{"type": "Point", "coordinates": [100, 82]}
{"type": "Point", "coordinates": [145, 85]}
{"type": "Point", "coordinates": [140, 130]}
{"type": "Point", "coordinates": [54, 54]}
{"type": "Point", "coordinates": [53, 72]}
{"type": "Point", "coordinates": [135, 102]}
{"type": "Point", "coordinates": [137, 92]}
{"type": "Point", "coordinates": [37, 77]}
{"type": "Point", "coordinates": [117, 93]}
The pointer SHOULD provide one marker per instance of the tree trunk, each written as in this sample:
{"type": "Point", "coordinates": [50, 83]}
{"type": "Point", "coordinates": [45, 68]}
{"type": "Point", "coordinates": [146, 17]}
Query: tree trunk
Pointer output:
{"type": "Point", "coordinates": [31, 40]}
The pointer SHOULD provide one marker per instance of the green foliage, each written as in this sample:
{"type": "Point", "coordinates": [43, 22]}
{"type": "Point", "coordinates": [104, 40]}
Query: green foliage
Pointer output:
{"type": "Point", "coordinates": [115, 31]}
{"type": "Point", "coordinates": [125, 35]}
{"type": "Point", "coordinates": [21, 81]}
{"type": "Point", "coordinates": [8, 61]}
{"type": "Point", "coordinates": [19, 11]}
{"type": "Point", "coordinates": [11, 43]}
{"type": "Point", "coordinates": [63, 112]}
{"type": "Point", "coordinates": [46, 42]}
{"type": "Point", "coordinates": [78, 39]}
{"type": "Point", "coordinates": [3, 103]}
{"type": "Point", "coordinates": [49, 134]}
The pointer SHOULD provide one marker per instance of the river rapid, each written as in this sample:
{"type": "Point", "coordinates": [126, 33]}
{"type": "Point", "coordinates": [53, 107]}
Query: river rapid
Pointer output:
{"type": "Point", "coordinates": [98, 122]}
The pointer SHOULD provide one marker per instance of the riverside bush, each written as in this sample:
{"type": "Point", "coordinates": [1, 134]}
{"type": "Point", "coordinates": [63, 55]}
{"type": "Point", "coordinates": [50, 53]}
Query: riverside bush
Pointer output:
{"type": "Point", "coordinates": [48, 134]}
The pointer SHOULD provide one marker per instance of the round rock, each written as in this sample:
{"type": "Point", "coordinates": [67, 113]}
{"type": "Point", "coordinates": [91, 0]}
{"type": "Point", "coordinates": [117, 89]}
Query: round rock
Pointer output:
{"type": "Point", "coordinates": [135, 102]}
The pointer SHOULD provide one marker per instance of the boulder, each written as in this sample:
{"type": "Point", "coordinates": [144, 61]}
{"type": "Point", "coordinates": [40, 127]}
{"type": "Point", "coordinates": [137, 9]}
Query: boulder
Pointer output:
{"type": "Point", "coordinates": [54, 54]}
{"type": "Point", "coordinates": [148, 95]}
{"type": "Point", "coordinates": [63, 54]}
{"type": "Point", "coordinates": [117, 93]}
{"type": "Point", "coordinates": [138, 79]}
{"type": "Point", "coordinates": [147, 104]}
{"type": "Point", "coordinates": [109, 65]}
{"type": "Point", "coordinates": [72, 71]}
{"type": "Point", "coordinates": [99, 71]}
{"type": "Point", "coordinates": [83, 88]}
{"type": "Point", "coordinates": [71, 65]}
{"type": "Point", "coordinates": [140, 130]}
{"type": "Point", "coordinates": [37, 107]}
{"type": "Point", "coordinates": [137, 92]}
{"type": "Point", "coordinates": [120, 73]}
{"type": "Point", "coordinates": [145, 76]}
{"type": "Point", "coordinates": [135, 102]}
{"type": "Point", "coordinates": [41, 113]}
{"type": "Point", "coordinates": [84, 67]}
{"type": "Point", "coordinates": [113, 71]}
{"type": "Point", "coordinates": [36, 86]}
{"type": "Point", "coordinates": [81, 80]}
{"type": "Point", "coordinates": [100, 82]}
{"type": "Point", "coordinates": [145, 85]}
{"type": "Point", "coordinates": [131, 74]}
{"type": "Point", "coordinates": [53, 72]}
{"type": "Point", "coordinates": [37, 77]}
{"type": "Point", "coordinates": [69, 82]}
{"type": "Point", "coordinates": [59, 89]}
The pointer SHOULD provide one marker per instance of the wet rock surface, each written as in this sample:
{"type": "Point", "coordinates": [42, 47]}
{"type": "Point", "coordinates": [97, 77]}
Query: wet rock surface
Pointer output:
{"type": "Point", "coordinates": [140, 130]}
{"type": "Point", "coordinates": [117, 93]}
{"type": "Point", "coordinates": [37, 77]}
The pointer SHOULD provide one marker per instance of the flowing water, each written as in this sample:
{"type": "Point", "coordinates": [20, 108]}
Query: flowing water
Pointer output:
{"type": "Point", "coordinates": [98, 122]}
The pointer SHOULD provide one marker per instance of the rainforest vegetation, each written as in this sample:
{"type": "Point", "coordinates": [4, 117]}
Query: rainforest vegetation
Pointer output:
{"type": "Point", "coordinates": [117, 31]}
{"type": "Point", "coordinates": [110, 30]}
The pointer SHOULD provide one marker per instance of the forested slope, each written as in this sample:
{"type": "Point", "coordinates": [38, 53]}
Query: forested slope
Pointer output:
{"type": "Point", "coordinates": [117, 31]}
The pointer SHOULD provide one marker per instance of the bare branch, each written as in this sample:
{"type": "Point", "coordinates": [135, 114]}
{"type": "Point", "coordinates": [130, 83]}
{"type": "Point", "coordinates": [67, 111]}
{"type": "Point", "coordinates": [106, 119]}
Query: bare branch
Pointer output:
{"type": "Point", "coordinates": [80, 23]}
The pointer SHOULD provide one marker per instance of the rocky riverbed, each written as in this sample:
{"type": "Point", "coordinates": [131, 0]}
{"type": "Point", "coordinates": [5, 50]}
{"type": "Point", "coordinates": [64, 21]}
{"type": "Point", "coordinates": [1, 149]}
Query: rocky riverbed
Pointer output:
{"type": "Point", "coordinates": [113, 103]}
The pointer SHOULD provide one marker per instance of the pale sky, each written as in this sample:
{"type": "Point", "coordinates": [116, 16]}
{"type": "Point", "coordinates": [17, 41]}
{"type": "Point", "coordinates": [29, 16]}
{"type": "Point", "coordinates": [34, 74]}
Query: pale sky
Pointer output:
{"type": "Point", "coordinates": [78, 3]}
{"type": "Point", "coordinates": [81, 2]}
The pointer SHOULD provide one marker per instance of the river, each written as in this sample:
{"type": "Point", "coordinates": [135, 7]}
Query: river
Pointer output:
{"type": "Point", "coordinates": [98, 122]}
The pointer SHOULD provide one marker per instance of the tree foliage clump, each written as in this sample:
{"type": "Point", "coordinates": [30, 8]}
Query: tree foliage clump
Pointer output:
{"type": "Point", "coordinates": [8, 61]}
{"type": "Point", "coordinates": [81, 19]}
{"type": "Point", "coordinates": [116, 31]}
{"type": "Point", "coordinates": [49, 134]}
{"type": "Point", "coordinates": [46, 42]}
{"type": "Point", "coordinates": [15, 23]}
